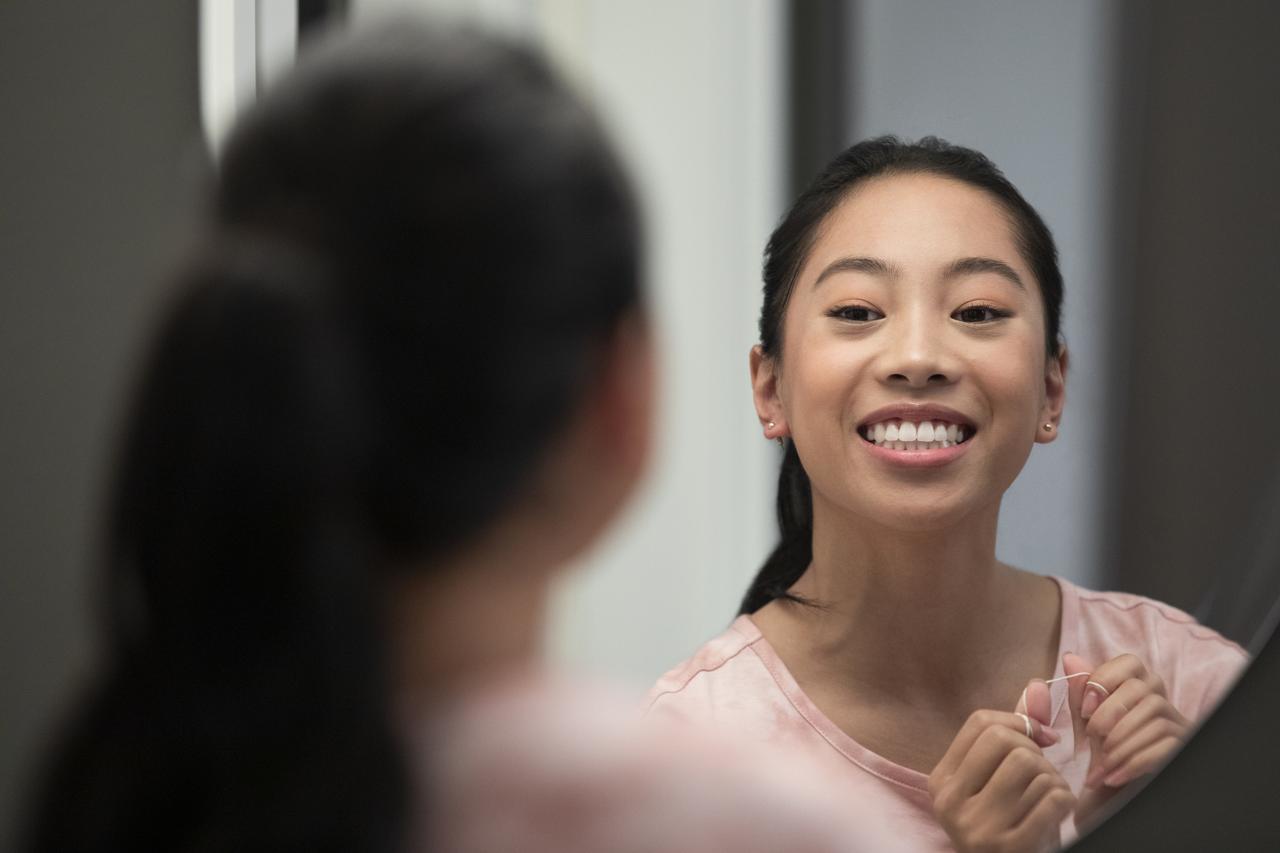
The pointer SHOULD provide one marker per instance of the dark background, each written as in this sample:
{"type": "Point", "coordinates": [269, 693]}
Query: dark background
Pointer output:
{"type": "Point", "coordinates": [100, 155]}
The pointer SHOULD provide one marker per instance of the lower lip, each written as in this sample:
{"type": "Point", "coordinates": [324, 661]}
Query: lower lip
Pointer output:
{"type": "Point", "coordinates": [917, 458]}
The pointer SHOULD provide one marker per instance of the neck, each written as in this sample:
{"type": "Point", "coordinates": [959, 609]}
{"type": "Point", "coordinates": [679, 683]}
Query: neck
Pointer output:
{"type": "Point", "coordinates": [952, 611]}
{"type": "Point", "coordinates": [475, 618]}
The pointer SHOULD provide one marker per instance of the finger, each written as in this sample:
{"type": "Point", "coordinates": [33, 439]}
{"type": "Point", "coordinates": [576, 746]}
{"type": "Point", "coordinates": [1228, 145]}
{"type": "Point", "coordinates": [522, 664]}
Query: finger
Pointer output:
{"type": "Point", "coordinates": [1007, 791]}
{"type": "Point", "coordinates": [1148, 760]}
{"type": "Point", "coordinates": [989, 752]}
{"type": "Point", "coordinates": [1036, 702]}
{"type": "Point", "coordinates": [1114, 708]}
{"type": "Point", "coordinates": [974, 727]}
{"type": "Point", "coordinates": [1042, 822]}
{"type": "Point", "coordinates": [1148, 708]}
{"type": "Point", "coordinates": [1039, 787]}
{"type": "Point", "coordinates": [1155, 731]}
{"type": "Point", "coordinates": [1073, 664]}
{"type": "Point", "coordinates": [1107, 678]}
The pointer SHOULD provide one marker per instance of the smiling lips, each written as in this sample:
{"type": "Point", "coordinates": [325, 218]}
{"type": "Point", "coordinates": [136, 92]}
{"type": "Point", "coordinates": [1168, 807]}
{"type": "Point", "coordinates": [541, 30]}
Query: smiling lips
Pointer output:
{"type": "Point", "coordinates": [915, 436]}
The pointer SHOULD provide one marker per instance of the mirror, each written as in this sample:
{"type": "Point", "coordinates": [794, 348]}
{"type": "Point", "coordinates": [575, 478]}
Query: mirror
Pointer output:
{"type": "Point", "coordinates": [1134, 129]}
{"type": "Point", "coordinates": [1109, 119]}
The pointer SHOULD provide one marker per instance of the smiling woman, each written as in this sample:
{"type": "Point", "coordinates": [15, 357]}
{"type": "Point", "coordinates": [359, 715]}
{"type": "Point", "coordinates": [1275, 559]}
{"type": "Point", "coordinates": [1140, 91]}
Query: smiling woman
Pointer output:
{"type": "Point", "coordinates": [910, 360]}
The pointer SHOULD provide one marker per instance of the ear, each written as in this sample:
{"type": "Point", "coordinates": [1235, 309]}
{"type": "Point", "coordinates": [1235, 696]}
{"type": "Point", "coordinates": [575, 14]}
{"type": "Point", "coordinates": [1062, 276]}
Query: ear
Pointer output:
{"type": "Point", "coordinates": [764, 391]}
{"type": "Point", "coordinates": [1055, 395]}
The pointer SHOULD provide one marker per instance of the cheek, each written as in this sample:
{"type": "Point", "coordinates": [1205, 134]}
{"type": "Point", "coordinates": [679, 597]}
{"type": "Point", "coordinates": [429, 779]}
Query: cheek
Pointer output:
{"type": "Point", "coordinates": [1016, 378]}
{"type": "Point", "coordinates": [818, 381]}
{"type": "Point", "coordinates": [1019, 386]}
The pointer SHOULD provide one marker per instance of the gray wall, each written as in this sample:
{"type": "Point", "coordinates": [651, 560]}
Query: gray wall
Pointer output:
{"type": "Point", "coordinates": [99, 150]}
{"type": "Point", "coordinates": [1197, 474]}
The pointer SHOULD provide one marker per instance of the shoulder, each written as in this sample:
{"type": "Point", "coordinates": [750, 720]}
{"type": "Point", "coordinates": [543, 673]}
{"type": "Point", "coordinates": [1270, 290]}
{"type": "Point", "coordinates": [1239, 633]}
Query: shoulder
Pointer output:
{"type": "Point", "coordinates": [1197, 663]}
{"type": "Point", "coordinates": [721, 661]}
{"type": "Point", "coordinates": [1140, 616]}
{"type": "Point", "coordinates": [560, 768]}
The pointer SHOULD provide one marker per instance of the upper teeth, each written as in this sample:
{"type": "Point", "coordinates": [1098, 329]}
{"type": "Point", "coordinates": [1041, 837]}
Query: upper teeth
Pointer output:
{"type": "Point", "coordinates": [909, 435]}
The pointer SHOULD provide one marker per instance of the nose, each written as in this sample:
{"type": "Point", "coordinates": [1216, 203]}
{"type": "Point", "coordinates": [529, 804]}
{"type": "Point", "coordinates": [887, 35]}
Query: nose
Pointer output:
{"type": "Point", "coordinates": [917, 354]}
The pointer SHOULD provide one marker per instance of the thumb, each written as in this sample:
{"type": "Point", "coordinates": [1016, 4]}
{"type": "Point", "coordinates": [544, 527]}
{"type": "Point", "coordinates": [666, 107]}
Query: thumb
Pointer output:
{"type": "Point", "coordinates": [1035, 702]}
{"type": "Point", "coordinates": [1073, 664]}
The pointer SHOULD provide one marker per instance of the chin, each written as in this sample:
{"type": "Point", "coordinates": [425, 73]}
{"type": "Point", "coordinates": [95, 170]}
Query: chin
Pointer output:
{"type": "Point", "coordinates": [920, 523]}
{"type": "Point", "coordinates": [915, 517]}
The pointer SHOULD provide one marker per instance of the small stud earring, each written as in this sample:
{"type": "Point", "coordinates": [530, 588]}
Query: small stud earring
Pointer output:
{"type": "Point", "coordinates": [781, 443]}
{"type": "Point", "coordinates": [1048, 427]}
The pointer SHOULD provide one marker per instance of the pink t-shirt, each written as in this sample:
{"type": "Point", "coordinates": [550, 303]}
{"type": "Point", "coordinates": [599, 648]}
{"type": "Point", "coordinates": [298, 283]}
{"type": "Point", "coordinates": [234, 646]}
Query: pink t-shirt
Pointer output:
{"type": "Point", "coordinates": [541, 765]}
{"type": "Point", "coordinates": [738, 682]}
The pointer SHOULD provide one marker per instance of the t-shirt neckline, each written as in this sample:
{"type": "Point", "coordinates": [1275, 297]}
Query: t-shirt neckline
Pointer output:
{"type": "Point", "coordinates": [872, 762]}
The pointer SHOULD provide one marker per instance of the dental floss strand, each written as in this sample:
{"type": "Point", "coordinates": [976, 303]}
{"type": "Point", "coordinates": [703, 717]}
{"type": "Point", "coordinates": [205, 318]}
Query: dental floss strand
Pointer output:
{"type": "Point", "coordinates": [1063, 678]}
{"type": "Point", "coordinates": [1023, 699]}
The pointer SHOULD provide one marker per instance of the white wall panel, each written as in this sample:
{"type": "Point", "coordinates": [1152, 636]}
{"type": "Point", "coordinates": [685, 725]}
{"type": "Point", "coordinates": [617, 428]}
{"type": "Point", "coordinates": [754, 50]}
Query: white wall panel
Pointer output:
{"type": "Point", "coordinates": [692, 95]}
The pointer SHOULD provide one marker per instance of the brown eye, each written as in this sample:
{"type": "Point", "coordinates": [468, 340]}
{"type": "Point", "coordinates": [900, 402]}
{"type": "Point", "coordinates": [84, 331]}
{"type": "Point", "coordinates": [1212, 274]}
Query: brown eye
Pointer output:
{"type": "Point", "coordinates": [979, 314]}
{"type": "Point", "coordinates": [855, 314]}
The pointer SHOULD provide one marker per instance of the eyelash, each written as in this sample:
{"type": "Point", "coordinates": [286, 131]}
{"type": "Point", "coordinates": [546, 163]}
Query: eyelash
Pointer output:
{"type": "Point", "coordinates": [994, 312]}
{"type": "Point", "coordinates": [842, 313]}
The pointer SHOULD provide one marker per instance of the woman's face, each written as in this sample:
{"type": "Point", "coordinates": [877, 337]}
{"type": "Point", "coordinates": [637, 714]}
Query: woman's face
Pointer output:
{"type": "Point", "coordinates": [913, 307]}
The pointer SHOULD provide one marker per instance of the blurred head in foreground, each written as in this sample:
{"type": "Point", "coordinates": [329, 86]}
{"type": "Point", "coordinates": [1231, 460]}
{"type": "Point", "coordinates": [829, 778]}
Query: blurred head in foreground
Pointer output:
{"type": "Point", "coordinates": [407, 363]}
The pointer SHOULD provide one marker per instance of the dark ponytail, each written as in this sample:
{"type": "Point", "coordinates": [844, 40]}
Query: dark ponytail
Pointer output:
{"type": "Point", "coordinates": [245, 685]}
{"type": "Point", "coordinates": [794, 551]}
{"type": "Point", "coordinates": [416, 241]}
{"type": "Point", "coordinates": [785, 254]}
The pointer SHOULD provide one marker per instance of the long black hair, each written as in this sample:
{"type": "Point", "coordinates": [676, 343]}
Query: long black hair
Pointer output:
{"type": "Point", "coordinates": [785, 254]}
{"type": "Point", "coordinates": [417, 245]}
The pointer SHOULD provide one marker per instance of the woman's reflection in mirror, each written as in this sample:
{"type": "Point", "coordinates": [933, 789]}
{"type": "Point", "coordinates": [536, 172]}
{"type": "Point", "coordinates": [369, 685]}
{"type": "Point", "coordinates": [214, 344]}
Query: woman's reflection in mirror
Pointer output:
{"type": "Point", "coordinates": [910, 359]}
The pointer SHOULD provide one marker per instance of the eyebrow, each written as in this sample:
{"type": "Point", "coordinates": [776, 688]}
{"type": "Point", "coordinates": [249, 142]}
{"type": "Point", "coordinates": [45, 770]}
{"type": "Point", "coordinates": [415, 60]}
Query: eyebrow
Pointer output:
{"type": "Point", "coordinates": [871, 266]}
{"type": "Point", "coordinates": [972, 266]}
{"type": "Point", "coordinates": [958, 268]}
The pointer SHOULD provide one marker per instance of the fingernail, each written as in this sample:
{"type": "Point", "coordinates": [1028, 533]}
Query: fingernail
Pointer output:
{"type": "Point", "coordinates": [1090, 702]}
{"type": "Point", "coordinates": [1115, 780]}
{"type": "Point", "coordinates": [1049, 736]}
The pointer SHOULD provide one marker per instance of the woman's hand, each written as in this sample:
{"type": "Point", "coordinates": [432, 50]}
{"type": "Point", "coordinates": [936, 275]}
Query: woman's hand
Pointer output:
{"type": "Point", "coordinates": [1122, 711]}
{"type": "Point", "coordinates": [994, 790]}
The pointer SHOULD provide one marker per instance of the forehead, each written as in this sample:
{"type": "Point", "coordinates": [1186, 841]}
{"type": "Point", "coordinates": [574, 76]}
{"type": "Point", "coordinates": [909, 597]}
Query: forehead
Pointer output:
{"type": "Point", "coordinates": [916, 222]}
